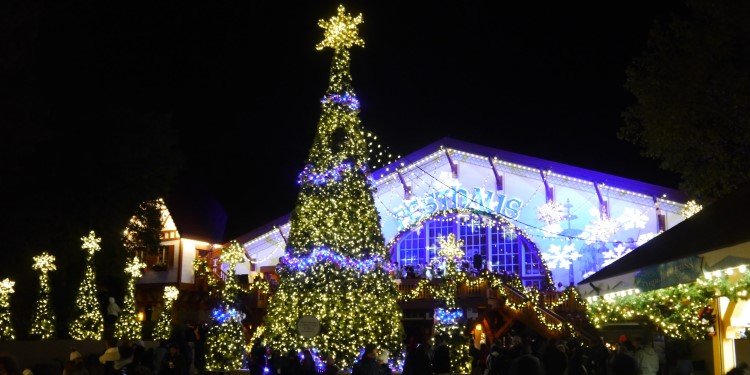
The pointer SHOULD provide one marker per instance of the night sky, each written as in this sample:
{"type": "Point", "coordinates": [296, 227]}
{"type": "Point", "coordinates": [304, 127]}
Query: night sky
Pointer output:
{"type": "Point", "coordinates": [242, 81]}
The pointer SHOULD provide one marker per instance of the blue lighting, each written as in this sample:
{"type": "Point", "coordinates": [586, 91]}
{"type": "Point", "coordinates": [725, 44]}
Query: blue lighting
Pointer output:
{"type": "Point", "coordinates": [448, 316]}
{"type": "Point", "coordinates": [226, 314]}
{"type": "Point", "coordinates": [320, 255]}
{"type": "Point", "coordinates": [331, 175]}
{"type": "Point", "coordinates": [347, 100]}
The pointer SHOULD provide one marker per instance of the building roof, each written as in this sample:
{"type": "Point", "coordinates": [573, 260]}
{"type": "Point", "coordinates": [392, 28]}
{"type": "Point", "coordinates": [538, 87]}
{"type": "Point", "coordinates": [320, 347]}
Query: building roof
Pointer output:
{"type": "Point", "coordinates": [723, 224]}
{"type": "Point", "coordinates": [490, 152]}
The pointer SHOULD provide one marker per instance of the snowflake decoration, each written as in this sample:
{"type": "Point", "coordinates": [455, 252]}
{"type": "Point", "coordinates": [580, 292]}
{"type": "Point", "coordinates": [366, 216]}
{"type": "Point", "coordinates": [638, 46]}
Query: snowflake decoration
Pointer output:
{"type": "Point", "coordinates": [171, 293]}
{"type": "Point", "coordinates": [552, 230]}
{"type": "Point", "coordinates": [91, 243]}
{"type": "Point", "coordinates": [691, 208]}
{"type": "Point", "coordinates": [600, 230]}
{"type": "Point", "coordinates": [450, 247]}
{"type": "Point", "coordinates": [645, 237]}
{"type": "Point", "coordinates": [610, 256]}
{"type": "Point", "coordinates": [6, 287]}
{"type": "Point", "coordinates": [587, 274]}
{"type": "Point", "coordinates": [561, 257]}
{"type": "Point", "coordinates": [44, 262]}
{"type": "Point", "coordinates": [134, 267]}
{"type": "Point", "coordinates": [633, 218]}
{"type": "Point", "coordinates": [551, 212]}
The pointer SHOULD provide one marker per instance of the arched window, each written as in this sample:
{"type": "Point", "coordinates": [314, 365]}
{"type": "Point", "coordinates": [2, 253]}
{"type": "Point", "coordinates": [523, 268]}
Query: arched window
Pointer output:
{"type": "Point", "coordinates": [500, 247]}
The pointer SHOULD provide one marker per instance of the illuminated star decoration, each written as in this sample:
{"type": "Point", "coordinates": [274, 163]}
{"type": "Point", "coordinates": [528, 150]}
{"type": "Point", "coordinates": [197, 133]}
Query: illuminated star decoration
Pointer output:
{"type": "Point", "coordinates": [561, 257]}
{"type": "Point", "coordinates": [134, 267]}
{"type": "Point", "coordinates": [691, 208]}
{"type": "Point", "coordinates": [171, 293]}
{"type": "Point", "coordinates": [6, 287]}
{"type": "Point", "coordinates": [44, 262]}
{"type": "Point", "coordinates": [91, 243]}
{"type": "Point", "coordinates": [450, 247]}
{"type": "Point", "coordinates": [340, 31]}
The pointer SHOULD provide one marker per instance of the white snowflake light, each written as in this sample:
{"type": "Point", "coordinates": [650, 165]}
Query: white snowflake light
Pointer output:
{"type": "Point", "coordinates": [691, 208]}
{"type": "Point", "coordinates": [6, 287]}
{"type": "Point", "coordinates": [610, 256]}
{"type": "Point", "coordinates": [561, 257]}
{"type": "Point", "coordinates": [551, 212]}
{"type": "Point", "coordinates": [600, 230]}
{"type": "Point", "coordinates": [44, 262]}
{"type": "Point", "coordinates": [632, 218]}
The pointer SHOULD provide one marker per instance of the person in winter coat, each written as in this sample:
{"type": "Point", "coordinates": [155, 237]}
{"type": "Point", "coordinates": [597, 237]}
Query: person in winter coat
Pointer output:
{"type": "Point", "coordinates": [368, 364]}
{"type": "Point", "coordinates": [417, 362]}
{"type": "Point", "coordinates": [648, 360]}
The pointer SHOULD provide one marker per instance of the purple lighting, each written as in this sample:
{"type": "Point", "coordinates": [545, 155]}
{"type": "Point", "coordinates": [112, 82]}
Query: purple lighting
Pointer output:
{"type": "Point", "coordinates": [320, 255]}
{"type": "Point", "coordinates": [346, 99]}
{"type": "Point", "coordinates": [331, 175]}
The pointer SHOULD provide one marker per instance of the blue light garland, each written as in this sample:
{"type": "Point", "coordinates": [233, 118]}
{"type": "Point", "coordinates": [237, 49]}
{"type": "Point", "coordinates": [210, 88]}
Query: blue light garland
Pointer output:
{"type": "Point", "coordinates": [331, 175]}
{"type": "Point", "coordinates": [346, 99]}
{"type": "Point", "coordinates": [320, 255]}
{"type": "Point", "coordinates": [223, 315]}
{"type": "Point", "coordinates": [448, 316]}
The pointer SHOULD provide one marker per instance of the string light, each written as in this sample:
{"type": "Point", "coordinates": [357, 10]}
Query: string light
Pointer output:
{"type": "Point", "coordinates": [691, 208]}
{"type": "Point", "coordinates": [6, 323]}
{"type": "Point", "coordinates": [43, 322]}
{"type": "Point", "coordinates": [88, 323]}
{"type": "Point", "coordinates": [163, 327]}
{"type": "Point", "coordinates": [128, 326]}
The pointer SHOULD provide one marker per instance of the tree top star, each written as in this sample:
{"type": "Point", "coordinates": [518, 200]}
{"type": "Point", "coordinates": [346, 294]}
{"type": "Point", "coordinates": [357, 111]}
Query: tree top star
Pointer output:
{"type": "Point", "coordinates": [340, 31]}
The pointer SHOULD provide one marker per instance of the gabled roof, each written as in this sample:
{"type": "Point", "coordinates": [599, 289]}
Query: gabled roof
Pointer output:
{"type": "Point", "coordinates": [722, 224]}
{"type": "Point", "coordinates": [511, 157]}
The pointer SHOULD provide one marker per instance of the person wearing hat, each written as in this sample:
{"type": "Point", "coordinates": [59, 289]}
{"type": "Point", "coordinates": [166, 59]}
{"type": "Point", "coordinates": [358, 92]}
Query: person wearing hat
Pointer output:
{"type": "Point", "coordinates": [75, 365]}
{"type": "Point", "coordinates": [173, 363]}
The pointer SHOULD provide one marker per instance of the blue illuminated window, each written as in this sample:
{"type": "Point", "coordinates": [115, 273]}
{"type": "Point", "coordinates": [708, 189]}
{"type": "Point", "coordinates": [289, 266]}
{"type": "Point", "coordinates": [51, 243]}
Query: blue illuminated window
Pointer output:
{"type": "Point", "coordinates": [475, 239]}
{"type": "Point", "coordinates": [504, 251]}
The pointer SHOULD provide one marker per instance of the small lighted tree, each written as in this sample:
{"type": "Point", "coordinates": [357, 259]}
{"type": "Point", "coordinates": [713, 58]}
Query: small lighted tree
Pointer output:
{"type": "Point", "coordinates": [128, 326]}
{"type": "Point", "coordinates": [88, 322]}
{"type": "Point", "coordinates": [6, 324]}
{"type": "Point", "coordinates": [43, 323]}
{"type": "Point", "coordinates": [164, 325]}
{"type": "Point", "coordinates": [447, 327]}
{"type": "Point", "coordinates": [225, 340]}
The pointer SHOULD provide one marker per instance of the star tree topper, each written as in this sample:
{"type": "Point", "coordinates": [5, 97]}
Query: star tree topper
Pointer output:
{"type": "Point", "coordinates": [340, 31]}
{"type": "Point", "coordinates": [450, 247]}
{"type": "Point", "coordinates": [44, 262]}
{"type": "Point", "coordinates": [134, 267]}
{"type": "Point", "coordinates": [6, 287]}
{"type": "Point", "coordinates": [91, 243]}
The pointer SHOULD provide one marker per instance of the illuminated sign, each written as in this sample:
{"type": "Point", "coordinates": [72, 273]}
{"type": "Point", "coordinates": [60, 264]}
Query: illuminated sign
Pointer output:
{"type": "Point", "coordinates": [480, 199]}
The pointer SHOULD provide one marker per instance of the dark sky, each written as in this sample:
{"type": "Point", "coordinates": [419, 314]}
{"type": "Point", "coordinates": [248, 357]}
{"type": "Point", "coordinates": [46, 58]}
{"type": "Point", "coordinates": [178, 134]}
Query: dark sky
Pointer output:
{"type": "Point", "coordinates": [243, 81]}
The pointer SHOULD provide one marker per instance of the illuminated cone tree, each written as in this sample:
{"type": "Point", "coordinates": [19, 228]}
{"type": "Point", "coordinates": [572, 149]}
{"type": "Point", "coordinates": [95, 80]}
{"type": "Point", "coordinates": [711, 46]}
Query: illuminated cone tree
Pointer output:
{"type": "Point", "coordinates": [6, 323]}
{"type": "Point", "coordinates": [88, 322]}
{"type": "Point", "coordinates": [128, 327]}
{"type": "Point", "coordinates": [448, 328]}
{"type": "Point", "coordinates": [164, 325]}
{"type": "Point", "coordinates": [225, 341]}
{"type": "Point", "coordinates": [333, 268]}
{"type": "Point", "coordinates": [43, 323]}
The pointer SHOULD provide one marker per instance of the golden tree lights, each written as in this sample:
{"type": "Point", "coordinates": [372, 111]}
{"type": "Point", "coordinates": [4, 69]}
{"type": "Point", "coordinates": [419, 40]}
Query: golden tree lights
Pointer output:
{"type": "Point", "coordinates": [6, 323]}
{"type": "Point", "coordinates": [43, 322]}
{"type": "Point", "coordinates": [691, 208]}
{"type": "Point", "coordinates": [88, 322]}
{"type": "Point", "coordinates": [163, 327]}
{"type": "Point", "coordinates": [128, 326]}
{"type": "Point", "coordinates": [332, 268]}
{"type": "Point", "coordinates": [225, 341]}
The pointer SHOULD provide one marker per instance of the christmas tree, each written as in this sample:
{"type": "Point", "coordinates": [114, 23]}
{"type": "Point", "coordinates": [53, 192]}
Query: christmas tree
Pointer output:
{"type": "Point", "coordinates": [164, 325]}
{"type": "Point", "coordinates": [128, 327]}
{"type": "Point", "coordinates": [43, 323]}
{"type": "Point", "coordinates": [6, 324]}
{"type": "Point", "coordinates": [225, 340]}
{"type": "Point", "coordinates": [88, 322]}
{"type": "Point", "coordinates": [334, 267]}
